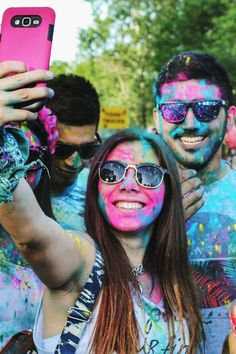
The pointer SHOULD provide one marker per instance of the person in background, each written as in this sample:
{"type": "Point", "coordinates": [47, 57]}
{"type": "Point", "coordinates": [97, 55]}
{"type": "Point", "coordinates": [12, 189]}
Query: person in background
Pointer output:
{"type": "Point", "coordinates": [194, 107]}
{"type": "Point", "coordinates": [20, 288]}
{"type": "Point", "coordinates": [76, 105]}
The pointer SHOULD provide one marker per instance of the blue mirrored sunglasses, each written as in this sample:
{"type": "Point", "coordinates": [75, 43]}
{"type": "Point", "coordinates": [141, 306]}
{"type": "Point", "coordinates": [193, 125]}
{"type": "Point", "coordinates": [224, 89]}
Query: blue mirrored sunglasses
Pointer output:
{"type": "Point", "coordinates": [204, 111]}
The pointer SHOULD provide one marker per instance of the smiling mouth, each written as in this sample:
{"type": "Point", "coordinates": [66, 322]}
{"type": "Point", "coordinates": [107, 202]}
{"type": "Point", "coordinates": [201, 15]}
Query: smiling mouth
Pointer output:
{"type": "Point", "coordinates": [191, 139]}
{"type": "Point", "coordinates": [129, 205]}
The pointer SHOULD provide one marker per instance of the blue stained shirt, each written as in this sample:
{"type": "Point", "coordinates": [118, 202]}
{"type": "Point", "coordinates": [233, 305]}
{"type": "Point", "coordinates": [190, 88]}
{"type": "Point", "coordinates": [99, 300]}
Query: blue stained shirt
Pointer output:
{"type": "Point", "coordinates": [68, 207]}
{"type": "Point", "coordinates": [212, 240]}
{"type": "Point", "coordinates": [20, 290]}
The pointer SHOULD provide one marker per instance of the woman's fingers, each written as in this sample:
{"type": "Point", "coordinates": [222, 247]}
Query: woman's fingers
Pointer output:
{"type": "Point", "coordinates": [24, 95]}
{"type": "Point", "coordinates": [21, 92]}
{"type": "Point", "coordinates": [9, 114]}
{"type": "Point", "coordinates": [31, 106]}
{"type": "Point", "coordinates": [192, 192]}
{"type": "Point", "coordinates": [192, 202]}
{"type": "Point", "coordinates": [25, 79]}
{"type": "Point", "coordinates": [14, 75]}
{"type": "Point", "coordinates": [8, 67]}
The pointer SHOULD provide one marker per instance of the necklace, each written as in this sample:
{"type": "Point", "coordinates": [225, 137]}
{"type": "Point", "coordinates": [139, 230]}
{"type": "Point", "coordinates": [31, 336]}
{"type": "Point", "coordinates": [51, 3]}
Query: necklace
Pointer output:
{"type": "Point", "coordinates": [138, 270]}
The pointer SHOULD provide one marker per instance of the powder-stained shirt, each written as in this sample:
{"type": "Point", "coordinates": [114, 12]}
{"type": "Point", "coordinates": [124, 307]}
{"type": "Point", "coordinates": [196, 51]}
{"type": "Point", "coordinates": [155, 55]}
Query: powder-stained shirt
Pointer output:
{"type": "Point", "coordinates": [68, 207]}
{"type": "Point", "coordinates": [20, 290]}
{"type": "Point", "coordinates": [152, 327]}
{"type": "Point", "coordinates": [212, 240]}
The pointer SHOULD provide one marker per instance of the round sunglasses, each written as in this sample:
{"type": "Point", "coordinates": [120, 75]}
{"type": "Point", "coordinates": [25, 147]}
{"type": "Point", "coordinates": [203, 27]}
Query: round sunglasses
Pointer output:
{"type": "Point", "coordinates": [148, 175]}
{"type": "Point", "coordinates": [204, 111]}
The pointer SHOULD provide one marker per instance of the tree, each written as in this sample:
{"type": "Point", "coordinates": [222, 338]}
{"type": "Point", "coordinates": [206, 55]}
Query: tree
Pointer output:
{"type": "Point", "coordinates": [130, 40]}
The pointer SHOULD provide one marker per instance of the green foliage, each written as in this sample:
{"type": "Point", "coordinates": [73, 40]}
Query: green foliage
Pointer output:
{"type": "Point", "coordinates": [221, 39]}
{"type": "Point", "coordinates": [59, 67]}
{"type": "Point", "coordinates": [130, 40]}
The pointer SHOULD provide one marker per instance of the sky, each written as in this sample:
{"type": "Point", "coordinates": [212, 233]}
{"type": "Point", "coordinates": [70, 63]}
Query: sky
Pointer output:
{"type": "Point", "coordinates": [71, 15]}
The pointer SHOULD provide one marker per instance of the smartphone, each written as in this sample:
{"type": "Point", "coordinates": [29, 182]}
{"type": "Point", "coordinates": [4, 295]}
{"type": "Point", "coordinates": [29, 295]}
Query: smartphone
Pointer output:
{"type": "Point", "coordinates": [26, 35]}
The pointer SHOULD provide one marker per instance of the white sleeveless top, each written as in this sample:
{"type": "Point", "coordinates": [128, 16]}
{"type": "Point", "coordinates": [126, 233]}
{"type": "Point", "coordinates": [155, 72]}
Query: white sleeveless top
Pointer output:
{"type": "Point", "coordinates": [153, 332]}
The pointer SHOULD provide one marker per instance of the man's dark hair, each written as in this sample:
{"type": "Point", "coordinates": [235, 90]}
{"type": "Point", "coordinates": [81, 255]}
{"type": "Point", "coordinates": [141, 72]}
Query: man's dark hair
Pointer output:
{"type": "Point", "coordinates": [75, 102]}
{"type": "Point", "coordinates": [194, 65]}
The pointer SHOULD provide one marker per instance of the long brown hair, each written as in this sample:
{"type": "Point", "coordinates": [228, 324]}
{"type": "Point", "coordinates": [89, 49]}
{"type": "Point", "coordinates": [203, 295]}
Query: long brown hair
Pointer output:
{"type": "Point", "coordinates": [166, 257]}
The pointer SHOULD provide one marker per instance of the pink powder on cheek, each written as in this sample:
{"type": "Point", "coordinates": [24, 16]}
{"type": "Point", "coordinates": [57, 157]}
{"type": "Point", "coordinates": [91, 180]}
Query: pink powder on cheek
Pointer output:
{"type": "Point", "coordinates": [102, 187]}
{"type": "Point", "coordinates": [157, 196]}
{"type": "Point", "coordinates": [104, 192]}
{"type": "Point", "coordinates": [114, 219]}
{"type": "Point", "coordinates": [143, 218]}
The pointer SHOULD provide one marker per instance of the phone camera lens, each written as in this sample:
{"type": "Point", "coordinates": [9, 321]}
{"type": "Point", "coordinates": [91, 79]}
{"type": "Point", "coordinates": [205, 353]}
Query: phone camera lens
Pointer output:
{"type": "Point", "coordinates": [17, 22]}
{"type": "Point", "coordinates": [26, 21]}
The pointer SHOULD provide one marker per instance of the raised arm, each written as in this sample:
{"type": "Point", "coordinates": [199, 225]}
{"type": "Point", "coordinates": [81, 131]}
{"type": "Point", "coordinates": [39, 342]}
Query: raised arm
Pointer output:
{"type": "Point", "coordinates": [56, 258]}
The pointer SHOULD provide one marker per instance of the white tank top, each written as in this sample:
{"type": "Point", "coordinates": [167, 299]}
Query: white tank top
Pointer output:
{"type": "Point", "coordinates": [153, 332]}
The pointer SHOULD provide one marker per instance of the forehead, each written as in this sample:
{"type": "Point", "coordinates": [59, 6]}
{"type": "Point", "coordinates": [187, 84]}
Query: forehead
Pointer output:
{"type": "Point", "coordinates": [189, 90]}
{"type": "Point", "coordinates": [77, 135]}
{"type": "Point", "coordinates": [134, 152]}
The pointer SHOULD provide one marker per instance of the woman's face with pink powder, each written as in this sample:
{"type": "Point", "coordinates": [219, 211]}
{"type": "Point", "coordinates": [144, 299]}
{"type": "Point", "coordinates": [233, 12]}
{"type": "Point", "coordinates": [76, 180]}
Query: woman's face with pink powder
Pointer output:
{"type": "Point", "coordinates": [126, 205]}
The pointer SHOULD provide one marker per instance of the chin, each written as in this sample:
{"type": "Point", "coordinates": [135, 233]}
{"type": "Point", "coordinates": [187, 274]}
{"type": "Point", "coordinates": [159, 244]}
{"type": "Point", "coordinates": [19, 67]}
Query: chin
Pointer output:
{"type": "Point", "coordinates": [128, 228]}
{"type": "Point", "coordinates": [196, 164]}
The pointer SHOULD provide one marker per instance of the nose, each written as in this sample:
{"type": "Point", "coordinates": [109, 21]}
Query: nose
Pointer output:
{"type": "Point", "coordinates": [73, 160]}
{"type": "Point", "coordinates": [129, 182]}
{"type": "Point", "coordinates": [191, 122]}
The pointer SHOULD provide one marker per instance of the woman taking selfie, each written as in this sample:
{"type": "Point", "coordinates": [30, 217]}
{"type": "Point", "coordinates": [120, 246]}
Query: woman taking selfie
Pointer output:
{"type": "Point", "coordinates": [147, 299]}
{"type": "Point", "coordinates": [125, 287]}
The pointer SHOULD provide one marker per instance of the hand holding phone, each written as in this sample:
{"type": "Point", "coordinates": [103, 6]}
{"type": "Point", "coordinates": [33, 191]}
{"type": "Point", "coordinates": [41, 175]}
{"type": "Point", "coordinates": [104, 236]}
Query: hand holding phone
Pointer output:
{"type": "Point", "coordinates": [26, 36]}
{"type": "Point", "coordinates": [15, 96]}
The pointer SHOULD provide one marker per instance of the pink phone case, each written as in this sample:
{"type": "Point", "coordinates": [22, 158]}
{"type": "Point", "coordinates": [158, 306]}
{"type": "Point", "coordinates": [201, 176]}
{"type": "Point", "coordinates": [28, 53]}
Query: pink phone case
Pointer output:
{"type": "Point", "coordinates": [32, 45]}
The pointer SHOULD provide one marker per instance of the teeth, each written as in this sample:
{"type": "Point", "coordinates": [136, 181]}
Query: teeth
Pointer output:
{"type": "Point", "coordinates": [129, 205]}
{"type": "Point", "coordinates": [191, 139]}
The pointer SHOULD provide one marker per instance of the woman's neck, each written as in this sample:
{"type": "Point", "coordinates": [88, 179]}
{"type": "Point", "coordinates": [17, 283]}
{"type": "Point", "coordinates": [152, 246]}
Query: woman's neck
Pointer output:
{"type": "Point", "coordinates": [135, 244]}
